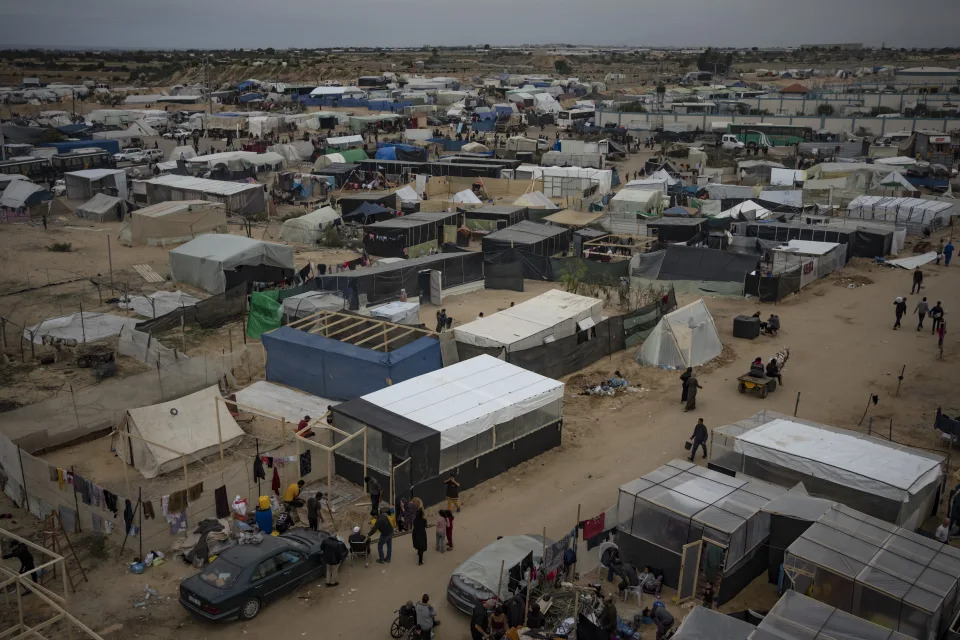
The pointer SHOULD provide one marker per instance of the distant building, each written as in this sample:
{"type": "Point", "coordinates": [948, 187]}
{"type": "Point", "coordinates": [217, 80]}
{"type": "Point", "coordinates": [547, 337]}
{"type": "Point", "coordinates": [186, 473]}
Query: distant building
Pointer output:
{"type": "Point", "coordinates": [929, 78]}
{"type": "Point", "coordinates": [843, 46]}
{"type": "Point", "coordinates": [795, 89]}
{"type": "Point", "coordinates": [31, 82]}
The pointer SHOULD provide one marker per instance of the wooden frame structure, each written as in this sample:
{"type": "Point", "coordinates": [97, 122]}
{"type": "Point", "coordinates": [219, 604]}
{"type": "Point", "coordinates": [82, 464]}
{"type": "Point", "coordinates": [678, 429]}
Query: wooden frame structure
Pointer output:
{"type": "Point", "coordinates": [321, 423]}
{"type": "Point", "coordinates": [360, 331]}
{"type": "Point", "coordinates": [56, 602]}
{"type": "Point", "coordinates": [636, 244]}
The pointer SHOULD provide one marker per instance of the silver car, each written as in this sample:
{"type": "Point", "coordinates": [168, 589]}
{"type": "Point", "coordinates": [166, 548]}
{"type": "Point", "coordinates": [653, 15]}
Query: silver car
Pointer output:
{"type": "Point", "coordinates": [476, 579]}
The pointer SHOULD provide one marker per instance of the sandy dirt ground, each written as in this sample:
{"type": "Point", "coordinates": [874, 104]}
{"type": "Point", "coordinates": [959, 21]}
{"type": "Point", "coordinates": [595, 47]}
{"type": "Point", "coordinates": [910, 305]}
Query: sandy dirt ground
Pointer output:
{"type": "Point", "coordinates": [842, 350]}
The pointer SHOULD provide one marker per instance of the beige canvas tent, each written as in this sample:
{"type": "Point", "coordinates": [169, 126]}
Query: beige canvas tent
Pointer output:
{"type": "Point", "coordinates": [309, 228]}
{"type": "Point", "coordinates": [163, 433]}
{"type": "Point", "coordinates": [173, 222]}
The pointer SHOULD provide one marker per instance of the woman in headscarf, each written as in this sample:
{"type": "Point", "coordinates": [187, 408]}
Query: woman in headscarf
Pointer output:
{"type": "Point", "coordinates": [692, 386]}
{"type": "Point", "coordinates": [683, 383]}
{"type": "Point", "coordinates": [419, 529]}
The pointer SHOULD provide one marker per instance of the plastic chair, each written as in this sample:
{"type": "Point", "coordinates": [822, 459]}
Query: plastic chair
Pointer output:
{"type": "Point", "coordinates": [603, 547]}
{"type": "Point", "coordinates": [637, 591]}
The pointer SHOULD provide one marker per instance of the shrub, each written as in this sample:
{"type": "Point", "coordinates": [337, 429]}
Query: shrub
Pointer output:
{"type": "Point", "coordinates": [60, 247]}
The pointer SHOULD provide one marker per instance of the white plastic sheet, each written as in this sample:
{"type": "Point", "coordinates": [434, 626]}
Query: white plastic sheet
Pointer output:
{"type": "Point", "coordinates": [686, 337]}
{"type": "Point", "coordinates": [80, 326]}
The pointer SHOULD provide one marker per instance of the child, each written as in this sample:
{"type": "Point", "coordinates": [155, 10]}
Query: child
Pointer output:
{"type": "Point", "coordinates": [941, 330]}
{"type": "Point", "coordinates": [708, 597]}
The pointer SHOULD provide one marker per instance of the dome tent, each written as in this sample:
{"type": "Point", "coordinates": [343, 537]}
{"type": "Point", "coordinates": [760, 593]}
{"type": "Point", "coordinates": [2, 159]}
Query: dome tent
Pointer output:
{"type": "Point", "coordinates": [686, 337]}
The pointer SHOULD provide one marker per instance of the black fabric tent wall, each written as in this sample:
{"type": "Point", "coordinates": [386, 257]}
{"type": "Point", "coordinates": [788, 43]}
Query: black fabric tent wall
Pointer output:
{"type": "Point", "coordinates": [772, 288]}
{"type": "Point", "coordinates": [384, 282]}
{"type": "Point", "coordinates": [539, 239]}
{"type": "Point", "coordinates": [503, 163]}
{"type": "Point", "coordinates": [784, 232]}
{"type": "Point", "coordinates": [389, 238]}
{"type": "Point", "coordinates": [341, 172]}
{"type": "Point", "coordinates": [350, 202]}
{"type": "Point", "coordinates": [503, 275]}
{"type": "Point", "coordinates": [872, 243]}
{"type": "Point", "coordinates": [700, 263]}
{"type": "Point", "coordinates": [509, 213]}
{"type": "Point", "coordinates": [394, 167]}
{"type": "Point", "coordinates": [464, 170]}
{"type": "Point", "coordinates": [676, 229]}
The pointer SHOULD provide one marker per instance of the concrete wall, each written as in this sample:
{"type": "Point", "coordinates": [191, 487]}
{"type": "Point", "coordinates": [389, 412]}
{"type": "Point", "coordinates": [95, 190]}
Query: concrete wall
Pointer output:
{"type": "Point", "coordinates": [877, 126]}
{"type": "Point", "coordinates": [897, 102]}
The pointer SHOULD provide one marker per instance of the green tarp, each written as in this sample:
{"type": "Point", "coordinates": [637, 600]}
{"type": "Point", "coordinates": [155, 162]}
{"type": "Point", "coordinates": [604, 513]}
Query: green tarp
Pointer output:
{"type": "Point", "coordinates": [265, 313]}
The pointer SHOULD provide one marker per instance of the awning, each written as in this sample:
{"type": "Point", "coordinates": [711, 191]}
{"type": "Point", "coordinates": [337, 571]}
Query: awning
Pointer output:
{"type": "Point", "coordinates": [569, 218]}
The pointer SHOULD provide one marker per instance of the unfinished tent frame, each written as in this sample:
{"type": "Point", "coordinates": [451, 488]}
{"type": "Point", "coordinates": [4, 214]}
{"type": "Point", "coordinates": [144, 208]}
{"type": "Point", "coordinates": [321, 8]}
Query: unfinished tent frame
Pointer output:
{"type": "Point", "coordinates": [623, 245]}
{"type": "Point", "coordinates": [877, 571]}
{"type": "Point", "coordinates": [797, 617]}
{"type": "Point", "coordinates": [457, 419]}
{"type": "Point", "coordinates": [671, 517]}
{"type": "Point", "coordinates": [916, 214]}
{"type": "Point", "coordinates": [896, 483]}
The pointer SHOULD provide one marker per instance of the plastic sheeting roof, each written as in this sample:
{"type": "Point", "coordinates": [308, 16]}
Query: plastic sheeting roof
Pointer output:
{"type": "Point", "coordinates": [468, 398]}
{"type": "Point", "coordinates": [466, 197]}
{"type": "Point", "coordinates": [797, 617]}
{"type": "Point", "coordinates": [407, 194]}
{"type": "Point", "coordinates": [80, 326]}
{"type": "Point", "coordinates": [551, 314]}
{"type": "Point", "coordinates": [203, 260]}
{"type": "Point", "coordinates": [191, 429]}
{"type": "Point", "coordinates": [19, 192]}
{"type": "Point", "coordinates": [213, 187]}
{"type": "Point", "coordinates": [571, 218]}
{"type": "Point", "coordinates": [808, 247]}
{"type": "Point", "coordinates": [912, 262]}
{"type": "Point", "coordinates": [305, 304]}
{"type": "Point", "coordinates": [309, 228]}
{"type": "Point", "coordinates": [840, 457]}
{"type": "Point", "coordinates": [158, 303]}
{"type": "Point", "coordinates": [706, 624]}
{"type": "Point", "coordinates": [283, 401]}
{"type": "Point", "coordinates": [535, 199]}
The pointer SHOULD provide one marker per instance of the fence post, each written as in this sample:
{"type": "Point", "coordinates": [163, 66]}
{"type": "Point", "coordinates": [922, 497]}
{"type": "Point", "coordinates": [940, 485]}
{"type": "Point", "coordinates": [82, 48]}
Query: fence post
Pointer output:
{"type": "Point", "coordinates": [76, 414]}
{"type": "Point", "coordinates": [23, 478]}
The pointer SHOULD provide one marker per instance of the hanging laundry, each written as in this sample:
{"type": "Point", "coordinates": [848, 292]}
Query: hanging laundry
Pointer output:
{"type": "Point", "coordinates": [275, 483]}
{"type": "Point", "coordinates": [220, 499]}
{"type": "Point", "coordinates": [165, 506]}
{"type": "Point", "coordinates": [148, 510]}
{"type": "Point", "coordinates": [593, 526]}
{"type": "Point", "coordinates": [110, 499]}
{"type": "Point", "coordinates": [258, 472]}
{"type": "Point", "coordinates": [178, 522]}
{"type": "Point", "coordinates": [54, 474]}
{"type": "Point", "coordinates": [178, 501]}
{"type": "Point", "coordinates": [68, 518]}
{"type": "Point", "coordinates": [305, 463]}
{"type": "Point", "coordinates": [194, 492]}
{"type": "Point", "coordinates": [97, 522]}
{"type": "Point", "coordinates": [61, 479]}
{"type": "Point", "coordinates": [128, 516]}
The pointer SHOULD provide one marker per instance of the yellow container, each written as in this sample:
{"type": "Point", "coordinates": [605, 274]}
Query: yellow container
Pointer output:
{"type": "Point", "coordinates": [264, 502]}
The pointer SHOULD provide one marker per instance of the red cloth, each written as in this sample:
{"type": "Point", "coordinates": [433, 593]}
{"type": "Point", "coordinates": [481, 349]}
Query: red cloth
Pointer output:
{"type": "Point", "coordinates": [593, 527]}
{"type": "Point", "coordinates": [275, 483]}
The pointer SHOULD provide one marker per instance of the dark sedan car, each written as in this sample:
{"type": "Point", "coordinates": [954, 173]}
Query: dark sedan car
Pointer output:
{"type": "Point", "coordinates": [244, 578]}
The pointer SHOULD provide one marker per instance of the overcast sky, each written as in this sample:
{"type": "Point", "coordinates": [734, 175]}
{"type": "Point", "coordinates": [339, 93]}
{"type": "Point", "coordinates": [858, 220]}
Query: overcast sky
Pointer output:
{"type": "Point", "coordinates": [309, 23]}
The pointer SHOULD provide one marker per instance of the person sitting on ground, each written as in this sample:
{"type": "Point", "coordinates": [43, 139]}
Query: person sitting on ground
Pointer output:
{"type": "Point", "coordinates": [535, 619]}
{"type": "Point", "coordinates": [756, 368]}
{"type": "Point", "coordinates": [302, 428]}
{"type": "Point", "coordinates": [773, 370]}
{"type": "Point", "coordinates": [649, 581]}
{"type": "Point", "coordinates": [618, 381]}
{"type": "Point", "coordinates": [772, 325]}
{"type": "Point", "coordinates": [291, 497]}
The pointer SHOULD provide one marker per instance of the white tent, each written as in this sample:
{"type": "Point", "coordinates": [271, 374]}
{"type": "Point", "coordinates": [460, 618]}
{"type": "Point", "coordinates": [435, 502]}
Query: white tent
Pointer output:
{"type": "Point", "coordinates": [309, 303]}
{"type": "Point", "coordinates": [399, 312]}
{"type": "Point", "coordinates": [283, 401]}
{"type": "Point", "coordinates": [185, 152]}
{"type": "Point", "coordinates": [686, 337]}
{"type": "Point", "coordinates": [173, 222]}
{"type": "Point", "coordinates": [187, 425]}
{"type": "Point", "coordinates": [475, 147]}
{"type": "Point", "coordinates": [102, 207]}
{"type": "Point", "coordinates": [635, 201]}
{"type": "Point", "coordinates": [466, 197]}
{"type": "Point", "coordinates": [309, 228]}
{"type": "Point", "coordinates": [535, 200]}
{"type": "Point", "coordinates": [81, 326]}
{"type": "Point", "coordinates": [202, 261]}
{"type": "Point", "coordinates": [408, 194]}
{"type": "Point", "coordinates": [550, 316]}
{"type": "Point", "coordinates": [748, 209]}
{"type": "Point", "coordinates": [158, 303]}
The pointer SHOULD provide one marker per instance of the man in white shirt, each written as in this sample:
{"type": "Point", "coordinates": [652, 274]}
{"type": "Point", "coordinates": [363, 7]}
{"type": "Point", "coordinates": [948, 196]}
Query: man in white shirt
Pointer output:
{"type": "Point", "coordinates": [943, 531]}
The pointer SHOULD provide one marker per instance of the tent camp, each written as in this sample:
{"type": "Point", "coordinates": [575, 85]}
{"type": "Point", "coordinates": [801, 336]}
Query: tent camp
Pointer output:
{"type": "Point", "coordinates": [797, 617]}
{"type": "Point", "coordinates": [706, 624]}
{"type": "Point", "coordinates": [173, 222]}
{"type": "Point", "coordinates": [892, 482]}
{"type": "Point", "coordinates": [309, 228]}
{"type": "Point", "coordinates": [102, 208]}
{"type": "Point", "coordinates": [216, 262]}
{"type": "Point", "coordinates": [550, 316]}
{"type": "Point", "coordinates": [82, 185]}
{"type": "Point", "coordinates": [408, 236]}
{"type": "Point", "coordinates": [346, 156]}
{"type": "Point", "coordinates": [188, 425]}
{"type": "Point", "coordinates": [683, 338]}
{"type": "Point", "coordinates": [636, 201]}
{"type": "Point", "coordinates": [483, 411]}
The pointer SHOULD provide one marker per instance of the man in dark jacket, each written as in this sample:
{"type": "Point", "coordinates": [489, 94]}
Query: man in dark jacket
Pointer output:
{"type": "Point", "coordinates": [611, 560]}
{"type": "Point", "coordinates": [383, 526]}
{"type": "Point", "coordinates": [699, 439]}
{"type": "Point", "coordinates": [899, 308]}
{"type": "Point", "coordinates": [628, 577]}
{"type": "Point", "coordinates": [373, 488]}
{"type": "Point", "coordinates": [314, 515]}
{"type": "Point", "coordinates": [662, 618]}
{"type": "Point", "coordinates": [607, 621]}
{"type": "Point", "coordinates": [514, 608]}
{"type": "Point", "coordinates": [22, 553]}
{"type": "Point", "coordinates": [917, 280]}
{"type": "Point", "coordinates": [480, 620]}
{"type": "Point", "coordinates": [332, 555]}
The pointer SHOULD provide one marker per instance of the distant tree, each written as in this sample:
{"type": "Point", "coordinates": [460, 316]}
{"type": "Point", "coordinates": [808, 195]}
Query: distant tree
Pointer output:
{"type": "Point", "coordinates": [714, 61]}
{"type": "Point", "coordinates": [825, 109]}
{"type": "Point", "coordinates": [434, 52]}
{"type": "Point", "coordinates": [562, 66]}
{"type": "Point", "coordinates": [486, 47]}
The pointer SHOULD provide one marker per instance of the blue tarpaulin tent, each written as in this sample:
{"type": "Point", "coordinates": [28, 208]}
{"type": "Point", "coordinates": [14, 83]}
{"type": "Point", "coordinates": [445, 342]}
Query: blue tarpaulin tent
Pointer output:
{"type": "Point", "coordinates": [341, 371]}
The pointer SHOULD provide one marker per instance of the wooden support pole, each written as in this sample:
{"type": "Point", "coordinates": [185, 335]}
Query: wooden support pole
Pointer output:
{"type": "Point", "coordinates": [500, 580]}
{"type": "Point", "coordinates": [364, 451]}
{"type": "Point", "coordinates": [216, 402]}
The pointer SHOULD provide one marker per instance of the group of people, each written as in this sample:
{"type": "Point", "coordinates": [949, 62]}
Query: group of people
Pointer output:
{"type": "Point", "coordinates": [690, 386]}
{"type": "Point", "coordinates": [490, 619]}
{"type": "Point", "coordinates": [923, 308]}
{"type": "Point", "coordinates": [648, 581]}
{"type": "Point", "coordinates": [444, 322]}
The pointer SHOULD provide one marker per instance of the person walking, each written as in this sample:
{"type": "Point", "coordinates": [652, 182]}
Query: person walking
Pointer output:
{"type": "Point", "coordinates": [453, 492]}
{"type": "Point", "coordinates": [917, 280]}
{"type": "Point", "coordinates": [449, 517]}
{"type": "Point", "coordinates": [441, 533]}
{"type": "Point", "coordinates": [426, 615]}
{"type": "Point", "coordinates": [692, 387]}
{"type": "Point", "coordinates": [330, 554]}
{"type": "Point", "coordinates": [419, 535]}
{"type": "Point", "coordinates": [899, 308]}
{"type": "Point", "coordinates": [939, 252]}
{"type": "Point", "coordinates": [683, 384]}
{"type": "Point", "coordinates": [941, 331]}
{"type": "Point", "coordinates": [373, 488]}
{"type": "Point", "coordinates": [922, 310]}
{"type": "Point", "coordinates": [948, 253]}
{"type": "Point", "coordinates": [313, 510]}
{"type": "Point", "coordinates": [936, 315]}
{"type": "Point", "coordinates": [699, 439]}
{"type": "Point", "coordinates": [383, 526]}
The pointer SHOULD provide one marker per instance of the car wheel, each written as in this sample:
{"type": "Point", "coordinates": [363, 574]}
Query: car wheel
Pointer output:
{"type": "Point", "coordinates": [250, 609]}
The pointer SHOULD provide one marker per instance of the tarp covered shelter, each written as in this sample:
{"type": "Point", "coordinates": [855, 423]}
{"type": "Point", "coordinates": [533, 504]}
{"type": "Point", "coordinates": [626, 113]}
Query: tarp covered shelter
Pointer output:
{"type": "Point", "coordinates": [636, 201]}
{"type": "Point", "coordinates": [676, 229]}
{"type": "Point", "coordinates": [407, 236]}
{"type": "Point", "coordinates": [368, 213]}
{"type": "Point", "coordinates": [466, 196]}
{"type": "Point", "coordinates": [879, 572]}
{"type": "Point", "coordinates": [683, 338]}
{"type": "Point", "coordinates": [679, 262]}
{"type": "Point", "coordinates": [187, 425]}
{"type": "Point", "coordinates": [706, 624]}
{"type": "Point", "coordinates": [915, 213]}
{"type": "Point", "coordinates": [308, 228]}
{"type": "Point", "coordinates": [539, 239]}
{"type": "Point", "coordinates": [20, 194]}
{"type": "Point", "coordinates": [514, 552]}
{"type": "Point", "coordinates": [483, 411]}
{"type": "Point", "coordinates": [535, 200]}
{"type": "Point", "coordinates": [347, 156]}
{"type": "Point", "coordinates": [491, 217]}
{"type": "Point", "coordinates": [680, 503]}
{"type": "Point", "coordinates": [102, 208]}
{"type": "Point", "coordinates": [550, 316]}
{"type": "Point", "coordinates": [216, 262]}
{"type": "Point", "coordinates": [797, 617]}
{"type": "Point", "coordinates": [173, 222]}
{"type": "Point", "coordinates": [893, 482]}
{"type": "Point", "coordinates": [82, 185]}
{"type": "Point", "coordinates": [348, 203]}
{"type": "Point", "coordinates": [239, 198]}
{"type": "Point", "coordinates": [407, 195]}
{"type": "Point", "coordinates": [398, 311]}
{"type": "Point", "coordinates": [307, 304]}
{"type": "Point", "coordinates": [575, 219]}
{"type": "Point", "coordinates": [786, 231]}
{"type": "Point", "coordinates": [82, 326]}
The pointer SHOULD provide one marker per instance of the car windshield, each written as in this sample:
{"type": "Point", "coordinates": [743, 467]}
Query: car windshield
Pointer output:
{"type": "Point", "coordinates": [221, 574]}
